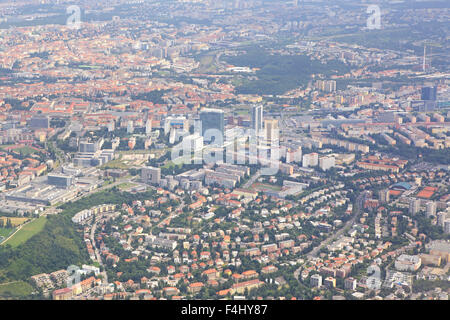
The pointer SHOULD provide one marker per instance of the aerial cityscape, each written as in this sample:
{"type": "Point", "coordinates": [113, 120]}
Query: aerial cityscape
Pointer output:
{"type": "Point", "coordinates": [224, 150]}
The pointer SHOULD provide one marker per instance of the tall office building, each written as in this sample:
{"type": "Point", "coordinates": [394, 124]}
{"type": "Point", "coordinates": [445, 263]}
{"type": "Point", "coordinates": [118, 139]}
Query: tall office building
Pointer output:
{"type": "Point", "coordinates": [326, 85]}
{"type": "Point", "coordinates": [60, 180]}
{"type": "Point", "coordinates": [294, 155]}
{"type": "Point", "coordinates": [39, 122]}
{"type": "Point", "coordinates": [384, 195]}
{"type": "Point", "coordinates": [350, 284]}
{"type": "Point", "coordinates": [88, 147]}
{"type": "Point", "coordinates": [431, 209]}
{"type": "Point", "coordinates": [441, 216]}
{"type": "Point", "coordinates": [316, 280]}
{"type": "Point", "coordinates": [257, 118]}
{"type": "Point", "coordinates": [327, 162]}
{"type": "Point", "coordinates": [151, 175]}
{"type": "Point", "coordinates": [130, 127]}
{"type": "Point", "coordinates": [111, 126]}
{"type": "Point", "coordinates": [212, 119]}
{"type": "Point", "coordinates": [429, 93]}
{"type": "Point", "coordinates": [310, 160]}
{"type": "Point", "coordinates": [272, 131]}
{"type": "Point", "coordinates": [330, 282]}
{"type": "Point", "coordinates": [447, 226]}
{"type": "Point", "coordinates": [414, 206]}
{"type": "Point", "coordinates": [148, 127]}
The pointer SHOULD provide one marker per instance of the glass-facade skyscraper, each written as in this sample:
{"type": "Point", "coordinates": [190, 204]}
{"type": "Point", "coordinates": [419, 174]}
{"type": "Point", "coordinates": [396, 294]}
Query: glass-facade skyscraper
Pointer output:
{"type": "Point", "coordinates": [257, 118]}
{"type": "Point", "coordinates": [212, 119]}
{"type": "Point", "coordinates": [429, 93]}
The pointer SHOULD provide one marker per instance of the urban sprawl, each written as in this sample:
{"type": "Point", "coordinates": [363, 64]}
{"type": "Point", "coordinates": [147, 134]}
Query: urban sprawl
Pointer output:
{"type": "Point", "coordinates": [224, 150]}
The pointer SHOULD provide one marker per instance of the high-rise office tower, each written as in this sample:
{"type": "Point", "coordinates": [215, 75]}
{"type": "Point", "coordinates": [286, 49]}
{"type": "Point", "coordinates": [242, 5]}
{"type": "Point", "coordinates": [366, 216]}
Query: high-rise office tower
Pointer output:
{"type": "Point", "coordinates": [212, 119]}
{"type": "Point", "coordinates": [431, 209]}
{"type": "Point", "coordinates": [447, 226]}
{"type": "Point", "coordinates": [384, 195]}
{"type": "Point", "coordinates": [257, 118]}
{"type": "Point", "coordinates": [429, 93]}
{"type": "Point", "coordinates": [148, 127]}
{"type": "Point", "coordinates": [414, 206]}
{"type": "Point", "coordinates": [86, 146]}
{"type": "Point", "coordinates": [441, 216]}
{"type": "Point", "coordinates": [130, 127]}
{"type": "Point", "coordinates": [327, 162]}
{"type": "Point", "coordinates": [39, 122]}
{"type": "Point", "coordinates": [151, 175]}
{"type": "Point", "coordinates": [272, 131]}
{"type": "Point", "coordinates": [310, 160]}
{"type": "Point", "coordinates": [316, 280]}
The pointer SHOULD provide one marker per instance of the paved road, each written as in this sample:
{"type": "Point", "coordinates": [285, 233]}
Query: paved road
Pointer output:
{"type": "Point", "coordinates": [18, 228]}
{"type": "Point", "coordinates": [97, 254]}
{"type": "Point", "coordinates": [358, 206]}
{"type": "Point", "coordinates": [172, 215]}
{"type": "Point", "coordinates": [252, 180]}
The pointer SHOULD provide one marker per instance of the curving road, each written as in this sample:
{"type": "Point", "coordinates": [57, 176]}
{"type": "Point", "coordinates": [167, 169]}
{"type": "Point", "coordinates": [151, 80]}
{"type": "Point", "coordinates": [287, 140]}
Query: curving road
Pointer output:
{"type": "Point", "coordinates": [358, 206]}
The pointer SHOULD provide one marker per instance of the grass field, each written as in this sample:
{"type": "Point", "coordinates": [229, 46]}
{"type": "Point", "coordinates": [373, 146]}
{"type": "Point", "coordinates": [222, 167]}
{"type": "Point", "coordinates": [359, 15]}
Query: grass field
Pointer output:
{"type": "Point", "coordinates": [15, 221]}
{"type": "Point", "coordinates": [126, 185]}
{"type": "Point", "coordinates": [115, 164]}
{"type": "Point", "coordinates": [15, 289]}
{"type": "Point", "coordinates": [122, 162]}
{"type": "Point", "coordinates": [169, 164]}
{"type": "Point", "coordinates": [4, 146]}
{"type": "Point", "coordinates": [137, 151]}
{"type": "Point", "coordinates": [4, 232]}
{"type": "Point", "coordinates": [25, 151]}
{"type": "Point", "coordinates": [262, 187]}
{"type": "Point", "coordinates": [207, 64]}
{"type": "Point", "coordinates": [27, 232]}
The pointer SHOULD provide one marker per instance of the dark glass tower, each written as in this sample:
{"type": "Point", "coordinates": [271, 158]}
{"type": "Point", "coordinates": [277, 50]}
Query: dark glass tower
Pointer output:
{"type": "Point", "coordinates": [429, 93]}
{"type": "Point", "coordinates": [212, 119]}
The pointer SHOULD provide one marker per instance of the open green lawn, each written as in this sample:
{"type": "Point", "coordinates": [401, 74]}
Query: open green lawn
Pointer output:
{"type": "Point", "coordinates": [263, 186]}
{"type": "Point", "coordinates": [4, 232]}
{"type": "Point", "coordinates": [25, 151]}
{"type": "Point", "coordinates": [114, 164]}
{"type": "Point", "coordinates": [126, 185]}
{"type": "Point", "coordinates": [168, 164]}
{"type": "Point", "coordinates": [4, 146]}
{"type": "Point", "coordinates": [15, 289]}
{"type": "Point", "coordinates": [207, 64]}
{"type": "Point", "coordinates": [137, 151]}
{"type": "Point", "coordinates": [27, 232]}
{"type": "Point", "coordinates": [15, 221]}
